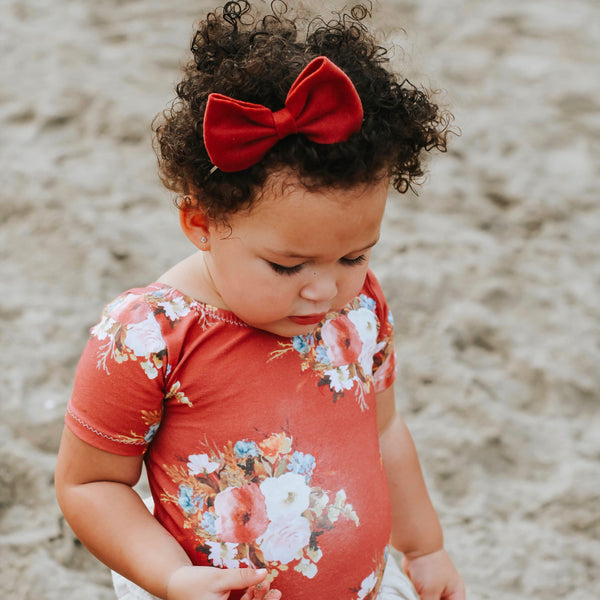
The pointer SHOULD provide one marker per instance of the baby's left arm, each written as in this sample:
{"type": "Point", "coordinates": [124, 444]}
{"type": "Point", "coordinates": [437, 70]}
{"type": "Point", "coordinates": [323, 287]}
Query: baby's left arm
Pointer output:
{"type": "Point", "coordinates": [416, 529]}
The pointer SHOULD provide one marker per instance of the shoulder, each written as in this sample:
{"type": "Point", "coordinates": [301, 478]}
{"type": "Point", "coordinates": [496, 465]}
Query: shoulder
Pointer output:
{"type": "Point", "coordinates": [140, 304]}
{"type": "Point", "coordinates": [143, 322]}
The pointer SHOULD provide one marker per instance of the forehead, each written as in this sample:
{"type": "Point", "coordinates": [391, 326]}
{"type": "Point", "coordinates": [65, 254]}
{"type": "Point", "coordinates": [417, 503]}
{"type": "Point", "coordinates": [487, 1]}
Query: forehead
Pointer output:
{"type": "Point", "coordinates": [287, 214]}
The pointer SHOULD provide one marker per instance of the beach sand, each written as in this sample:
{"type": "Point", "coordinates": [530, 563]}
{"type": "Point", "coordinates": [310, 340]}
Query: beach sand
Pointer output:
{"type": "Point", "coordinates": [492, 270]}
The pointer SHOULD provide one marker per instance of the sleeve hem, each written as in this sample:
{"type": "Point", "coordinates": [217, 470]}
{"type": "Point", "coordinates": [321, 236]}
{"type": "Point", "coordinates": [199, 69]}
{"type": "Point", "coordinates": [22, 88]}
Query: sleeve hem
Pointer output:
{"type": "Point", "coordinates": [100, 440]}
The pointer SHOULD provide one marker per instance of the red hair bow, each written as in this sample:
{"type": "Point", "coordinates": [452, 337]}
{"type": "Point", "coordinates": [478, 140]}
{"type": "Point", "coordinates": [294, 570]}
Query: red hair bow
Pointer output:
{"type": "Point", "coordinates": [322, 104]}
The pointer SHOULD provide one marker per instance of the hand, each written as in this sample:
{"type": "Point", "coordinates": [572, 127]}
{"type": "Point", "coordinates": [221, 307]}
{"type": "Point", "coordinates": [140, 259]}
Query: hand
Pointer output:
{"type": "Point", "coordinates": [210, 583]}
{"type": "Point", "coordinates": [434, 576]}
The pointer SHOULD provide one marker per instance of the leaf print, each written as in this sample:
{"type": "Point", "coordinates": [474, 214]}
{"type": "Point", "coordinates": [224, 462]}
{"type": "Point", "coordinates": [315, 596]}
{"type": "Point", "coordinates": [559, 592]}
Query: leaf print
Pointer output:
{"type": "Point", "coordinates": [307, 568]}
{"type": "Point", "coordinates": [177, 396]}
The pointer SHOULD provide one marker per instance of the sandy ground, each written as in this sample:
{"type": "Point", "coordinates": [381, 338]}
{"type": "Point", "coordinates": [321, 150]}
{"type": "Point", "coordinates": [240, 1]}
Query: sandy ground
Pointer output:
{"type": "Point", "coordinates": [493, 271]}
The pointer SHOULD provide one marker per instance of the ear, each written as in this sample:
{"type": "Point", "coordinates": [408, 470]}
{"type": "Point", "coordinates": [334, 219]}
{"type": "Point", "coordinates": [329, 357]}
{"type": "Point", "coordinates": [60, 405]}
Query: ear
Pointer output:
{"type": "Point", "coordinates": [196, 226]}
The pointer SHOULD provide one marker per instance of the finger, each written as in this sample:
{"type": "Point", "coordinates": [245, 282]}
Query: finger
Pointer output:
{"type": "Point", "coordinates": [238, 579]}
{"type": "Point", "coordinates": [248, 594]}
{"type": "Point", "coordinates": [457, 594]}
{"type": "Point", "coordinates": [273, 595]}
{"type": "Point", "coordinates": [260, 590]}
{"type": "Point", "coordinates": [431, 594]}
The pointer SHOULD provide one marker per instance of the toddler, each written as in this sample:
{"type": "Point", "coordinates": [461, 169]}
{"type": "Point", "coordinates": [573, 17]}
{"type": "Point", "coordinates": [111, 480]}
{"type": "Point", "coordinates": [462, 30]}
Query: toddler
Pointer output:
{"type": "Point", "coordinates": [254, 379]}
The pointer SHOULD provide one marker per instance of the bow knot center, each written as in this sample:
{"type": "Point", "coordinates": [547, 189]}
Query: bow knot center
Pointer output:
{"type": "Point", "coordinates": [284, 122]}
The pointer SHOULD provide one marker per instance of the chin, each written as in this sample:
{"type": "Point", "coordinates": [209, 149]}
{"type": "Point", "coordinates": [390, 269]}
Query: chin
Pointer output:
{"type": "Point", "coordinates": [288, 329]}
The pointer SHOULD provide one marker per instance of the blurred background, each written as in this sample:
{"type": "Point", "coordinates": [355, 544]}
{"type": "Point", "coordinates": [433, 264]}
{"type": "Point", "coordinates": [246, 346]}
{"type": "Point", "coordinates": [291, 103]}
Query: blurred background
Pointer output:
{"type": "Point", "coordinates": [492, 268]}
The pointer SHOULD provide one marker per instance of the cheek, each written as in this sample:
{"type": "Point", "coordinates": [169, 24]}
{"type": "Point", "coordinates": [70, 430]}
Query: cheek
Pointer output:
{"type": "Point", "coordinates": [351, 284]}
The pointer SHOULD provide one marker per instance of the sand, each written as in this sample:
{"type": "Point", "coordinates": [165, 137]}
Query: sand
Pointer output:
{"type": "Point", "coordinates": [493, 270]}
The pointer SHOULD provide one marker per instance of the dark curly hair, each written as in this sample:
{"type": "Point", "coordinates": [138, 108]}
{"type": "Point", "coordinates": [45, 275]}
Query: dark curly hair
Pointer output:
{"type": "Point", "coordinates": [256, 60]}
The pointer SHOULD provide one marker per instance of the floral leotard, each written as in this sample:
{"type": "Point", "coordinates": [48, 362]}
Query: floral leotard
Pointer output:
{"type": "Point", "coordinates": [261, 451]}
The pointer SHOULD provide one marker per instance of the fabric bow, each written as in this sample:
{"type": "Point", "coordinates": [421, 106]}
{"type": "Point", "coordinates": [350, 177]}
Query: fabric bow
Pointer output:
{"type": "Point", "coordinates": [322, 104]}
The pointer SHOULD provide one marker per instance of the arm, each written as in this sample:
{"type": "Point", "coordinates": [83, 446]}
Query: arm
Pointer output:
{"type": "Point", "coordinates": [94, 491]}
{"type": "Point", "coordinates": [416, 529]}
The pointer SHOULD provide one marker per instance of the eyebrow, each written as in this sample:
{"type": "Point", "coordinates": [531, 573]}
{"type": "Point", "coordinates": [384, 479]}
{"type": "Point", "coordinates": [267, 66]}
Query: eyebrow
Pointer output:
{"type": "Point", "coordinates": [306, 257]}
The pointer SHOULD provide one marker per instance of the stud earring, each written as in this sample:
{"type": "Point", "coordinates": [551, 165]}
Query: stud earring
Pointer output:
{"type": "Point", "coordinates": [203, 240]}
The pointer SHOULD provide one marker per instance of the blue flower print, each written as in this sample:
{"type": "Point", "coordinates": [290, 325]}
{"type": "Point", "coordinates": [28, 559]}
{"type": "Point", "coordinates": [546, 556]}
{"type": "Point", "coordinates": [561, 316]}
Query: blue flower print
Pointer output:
{"type": "Point", "coordinates": [208, 523]}
{"type": "Point", "coordinates": [302, 343]}
{"type": "Point", "coordinates": [302, 464]}
{"type": "Point", "coordinates": [245, 449]}
{"type": "Point", "coordinates": [366, 302]}
{"type": "Point", "coordinates": [391, 318]}
{"type": "Point", "coordinates": [187, 500]}
{"type": "Point", "coordinates": [151, 432]}
{"type": "Point", "coordinates": [322, 355]}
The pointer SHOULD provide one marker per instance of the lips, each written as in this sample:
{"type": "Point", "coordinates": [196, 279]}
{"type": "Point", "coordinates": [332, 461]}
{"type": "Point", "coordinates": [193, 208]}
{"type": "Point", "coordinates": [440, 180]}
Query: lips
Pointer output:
{"type": "Point", "coordinates": [308, 319]}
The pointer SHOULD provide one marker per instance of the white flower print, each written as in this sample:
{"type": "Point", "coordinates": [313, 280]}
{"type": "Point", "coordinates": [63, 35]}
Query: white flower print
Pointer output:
{"type": "Point", "coordinates": [103, 329]}
{"type": "Point", "coordinates": [175, 308]}
{"type": "Point", "coordinates": [365, 322]}
{"type": "Point", "coordinates": [200, 463]}
{"type": "Point", "coordinates": [340, 379]}
{"type": "Point", "coordinates": [145, 338]}
{"type": "Point", "coordinates": [367, 586]}
{"type": "Point", "coordinates": [286, 497]}
{"type": "Point", "coordinates": [285, 539]}
{"type": "Point", "coordinates": [223, 554]}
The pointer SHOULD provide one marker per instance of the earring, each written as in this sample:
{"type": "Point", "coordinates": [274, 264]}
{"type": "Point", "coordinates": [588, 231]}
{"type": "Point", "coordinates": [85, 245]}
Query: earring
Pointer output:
{"type": "Point", "coordinates": [203, 240]}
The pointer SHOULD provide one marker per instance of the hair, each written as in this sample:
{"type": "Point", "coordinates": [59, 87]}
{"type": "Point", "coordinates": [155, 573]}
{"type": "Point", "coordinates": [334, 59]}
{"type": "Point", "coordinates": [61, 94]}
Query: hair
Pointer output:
{"type": "Point", "coordinates": [257, 59]}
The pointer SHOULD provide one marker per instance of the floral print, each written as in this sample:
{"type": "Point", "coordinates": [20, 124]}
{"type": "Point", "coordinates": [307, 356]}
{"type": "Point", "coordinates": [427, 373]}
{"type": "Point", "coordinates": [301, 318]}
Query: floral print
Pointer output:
{"type": "Point", "coordinates": [346, 349]}
{"type": "Point", "coordinates": [254, 504]}
{"type": "Point", "coordinates": [161, 369]}
{"type": "Point", "coordinates": [130, 330]}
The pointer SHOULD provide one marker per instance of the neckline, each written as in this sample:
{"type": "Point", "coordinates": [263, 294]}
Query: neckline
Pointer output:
{"type": "Point", "coordinates": [222, 314]}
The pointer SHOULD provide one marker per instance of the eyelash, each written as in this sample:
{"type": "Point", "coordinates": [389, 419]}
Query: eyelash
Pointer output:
{"type": "Point", "coordinates": [281, 270]}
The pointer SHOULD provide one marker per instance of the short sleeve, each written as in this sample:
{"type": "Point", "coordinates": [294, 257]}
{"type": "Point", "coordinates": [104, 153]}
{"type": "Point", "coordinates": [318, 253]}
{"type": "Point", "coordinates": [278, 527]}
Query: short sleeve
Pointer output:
{"type": "Point", "coordinates": [118, 393]}
{"type": "Point", "coordinates": [384, 360]}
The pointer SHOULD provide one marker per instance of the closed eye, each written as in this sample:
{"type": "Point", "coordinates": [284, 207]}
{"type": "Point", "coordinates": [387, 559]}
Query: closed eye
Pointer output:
{"type": "Point", "coordinates": [281, 270]}
{"type": "Point", "coordinates": [354, 261]}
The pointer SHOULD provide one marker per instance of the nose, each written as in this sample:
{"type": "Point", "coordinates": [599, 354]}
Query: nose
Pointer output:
{"type": "Point", "coordinates": [322, 287]}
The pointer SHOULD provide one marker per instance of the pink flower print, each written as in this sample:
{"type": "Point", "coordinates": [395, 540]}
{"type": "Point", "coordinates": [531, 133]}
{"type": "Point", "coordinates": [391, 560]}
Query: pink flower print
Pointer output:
{"type": "Point", "coordinates": [384, 376]}
{"type": "Point", "coordinates": [343, 341]}
{"type": "Point", "coordinates": [284, 540]}
{"type": "Point", "coordinates": [242, 514]}
{"type": "Point", "coordinates": [131, 310]}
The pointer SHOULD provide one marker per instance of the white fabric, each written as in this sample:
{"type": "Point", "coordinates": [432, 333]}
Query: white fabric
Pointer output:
{"type": "Point", "coordinates": [395, 585]}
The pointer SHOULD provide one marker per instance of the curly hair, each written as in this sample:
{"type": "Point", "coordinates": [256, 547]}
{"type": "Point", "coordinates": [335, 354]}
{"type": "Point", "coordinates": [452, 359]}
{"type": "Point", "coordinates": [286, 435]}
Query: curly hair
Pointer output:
{"type": "Point", "coordinates": [256, 60]}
